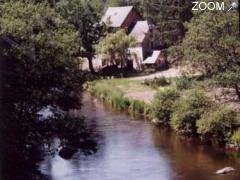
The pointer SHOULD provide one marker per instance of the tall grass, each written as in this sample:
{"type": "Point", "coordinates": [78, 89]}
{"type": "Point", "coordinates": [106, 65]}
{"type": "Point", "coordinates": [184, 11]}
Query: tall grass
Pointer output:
{"type": "Point", "coordinates": [116, 98]}
{"type": "Point", "coordinates": [138, 106]}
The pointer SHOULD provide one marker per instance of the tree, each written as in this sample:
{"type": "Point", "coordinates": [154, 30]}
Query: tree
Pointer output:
{"type": "Point", "coordinates": [39, 69]}
{"type": "Point", "coordinates": [169, 16]}
{"type": "Point", "coordinates": [123, 2]}
{"type": "Point", "coordinates": [85, 16]}
{"type": "Point", "coordinates": [212, 46]}
{"type": "Point", "coordinates": [116, 44]}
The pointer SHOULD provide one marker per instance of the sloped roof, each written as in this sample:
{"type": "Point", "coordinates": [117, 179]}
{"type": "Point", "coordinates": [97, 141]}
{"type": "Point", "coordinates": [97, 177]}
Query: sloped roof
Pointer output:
{"type": "Point", "coordinates": [116, 15]}
{"type": "Point", "coordinates": [152, 59]}
{"type": "Point", "coordinates": [140, 31]}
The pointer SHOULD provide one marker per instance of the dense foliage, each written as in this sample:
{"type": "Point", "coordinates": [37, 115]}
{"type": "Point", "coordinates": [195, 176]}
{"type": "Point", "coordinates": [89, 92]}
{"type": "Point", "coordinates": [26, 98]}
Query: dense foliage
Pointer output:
{"type": "Point", "coordinates": [187, 110]}
{"type": "Point", "coordinates": [212, 46]}
{"type": "Point", "coordinates": [115, 45]}
{"type": "Point", "coordinates": [217, 125]}
{"type": "Point", "coordinates": [163, 105]}
{"type": "Point", "coordinates": [39, 70]}
{"type": "Point", "coordinates": [85, 15]}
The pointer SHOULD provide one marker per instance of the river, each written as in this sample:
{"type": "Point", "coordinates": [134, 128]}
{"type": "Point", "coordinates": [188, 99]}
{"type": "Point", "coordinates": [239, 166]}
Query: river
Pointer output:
{"type": "Point", "coordinates": [130, 148]}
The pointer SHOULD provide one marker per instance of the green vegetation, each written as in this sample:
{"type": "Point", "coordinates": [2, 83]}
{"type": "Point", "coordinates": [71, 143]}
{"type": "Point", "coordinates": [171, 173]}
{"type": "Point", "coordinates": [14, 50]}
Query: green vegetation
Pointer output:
{"type": "Point", "coordinates": [114, 92]}
{"type": "Point", "coordinates": [120, 102]}
{"type": "Point", "coordinates": [162, 107]}
{"type": "Point", "coordinates": [39, 60]}
{"type": "Point", "coordinates": [169, 16]}
{"type": "Point", "coordinates": [85, 16]}
{"type": "Point", "coordinates": [235, 139]}
{"type": "Point", "coordinates": [184, 83]}
{"type": "Point", "coordinates": [115, 45]}
{"type": "Point", "coordinates": [187, 110]}
{"type": "Point", "coordinates": [211, 46]}
{"type": "Point", "coordinates": [156, 82]}
{"type": "Point", "coordinates": [138, 106]}
{"type": "Point", "coordinates": [217, 125]}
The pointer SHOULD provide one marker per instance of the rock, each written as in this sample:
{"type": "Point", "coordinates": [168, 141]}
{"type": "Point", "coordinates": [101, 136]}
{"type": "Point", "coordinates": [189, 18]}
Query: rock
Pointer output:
{"type": "Point", "coordinates": [156, 121]}
{"type": "Point", "coordinates": [67, 153]}
{"type": "Point", "coordinates": [225, 170]}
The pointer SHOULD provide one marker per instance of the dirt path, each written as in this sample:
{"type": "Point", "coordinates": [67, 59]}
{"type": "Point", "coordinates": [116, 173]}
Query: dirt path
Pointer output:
{"type": "Point", "coordinates": [146, 96]}
{"type": "Point", "coordinates": [173, 72]}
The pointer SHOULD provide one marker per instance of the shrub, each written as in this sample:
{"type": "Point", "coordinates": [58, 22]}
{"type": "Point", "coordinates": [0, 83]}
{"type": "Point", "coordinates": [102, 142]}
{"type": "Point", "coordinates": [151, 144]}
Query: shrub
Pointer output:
{"type": "Point", "coordinates": [217, 124]}
{"type": "Point", "coordinates": [187, 110]}
{"type": "Point", "coordinates": [156, 82]}
{"type": "Point", "coordinates": [235, 139]}
{"type": "Point", "coordinates": [163, 104]}
{"type": "Point", "coordinates": [138, 106]}
{"type": "Point", "coordinates": [183, 83]}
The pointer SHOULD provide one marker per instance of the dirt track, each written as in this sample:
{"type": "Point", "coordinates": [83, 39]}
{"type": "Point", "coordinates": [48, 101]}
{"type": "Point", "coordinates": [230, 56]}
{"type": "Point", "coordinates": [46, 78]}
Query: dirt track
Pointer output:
{"type": "Point", "coordinates": [173, 72]}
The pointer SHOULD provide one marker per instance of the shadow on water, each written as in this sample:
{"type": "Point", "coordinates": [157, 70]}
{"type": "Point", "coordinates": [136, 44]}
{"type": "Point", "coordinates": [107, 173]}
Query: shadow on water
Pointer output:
{"type": "Point", "coordinates": [65, 137]}
{"type": "Point", "coordinates": [25, 137]}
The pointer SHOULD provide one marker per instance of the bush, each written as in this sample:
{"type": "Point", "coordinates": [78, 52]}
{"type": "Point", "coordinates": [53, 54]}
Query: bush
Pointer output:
{"type": "Point", "coordinates": [138, 106]}
{"type": "Point", "coordinates": [217, 124]}
{"type": "Point", "coordinates": [163, 105]}
{"type": "Point", "coordinates": [187, 110]}
{"type": "Point", "coordinates": [235, 139]}
{"type": "Point", "coordinates": [183, 83]}
{"type": "Point", "coordinates": [156, 82]}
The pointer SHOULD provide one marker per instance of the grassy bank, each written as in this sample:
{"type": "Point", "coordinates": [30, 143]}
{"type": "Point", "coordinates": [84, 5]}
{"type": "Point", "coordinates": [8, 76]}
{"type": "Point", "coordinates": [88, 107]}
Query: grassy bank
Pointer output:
{"type": "Point", "coordinates": [114, 92]}
{"type": "Point", "coordinates": [185, 104]}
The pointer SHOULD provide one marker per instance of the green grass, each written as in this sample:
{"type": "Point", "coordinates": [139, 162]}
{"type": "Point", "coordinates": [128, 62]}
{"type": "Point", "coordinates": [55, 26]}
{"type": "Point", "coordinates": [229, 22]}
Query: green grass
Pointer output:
{"type": "Point", "coordinates": [114, 91]}
{"type": "Point", "coordinates": [120, 85]}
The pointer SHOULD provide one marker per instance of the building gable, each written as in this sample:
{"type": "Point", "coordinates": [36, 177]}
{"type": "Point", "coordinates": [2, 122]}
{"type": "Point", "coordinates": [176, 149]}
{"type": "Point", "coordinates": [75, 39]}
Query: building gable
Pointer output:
{"type": "Point", "coordinates": [121, 17]}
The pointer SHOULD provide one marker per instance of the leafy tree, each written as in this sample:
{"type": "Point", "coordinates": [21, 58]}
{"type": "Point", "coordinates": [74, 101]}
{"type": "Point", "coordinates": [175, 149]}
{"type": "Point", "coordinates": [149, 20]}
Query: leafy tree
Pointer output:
{"type": "Point", "coordinates": [85, 16]}
{"type": "Point", "coordinates": [39, 69]}
{"type": "Point", "coordinates": [45, 45]}
{"type": "Point", "coordinates": [116, 45]}
{"type": "Point", "coordinates": [212, 46]}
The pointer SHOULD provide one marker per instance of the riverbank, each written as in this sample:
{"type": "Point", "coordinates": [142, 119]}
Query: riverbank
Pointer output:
{"type": "Point", "coordinates": [187, 104]}
{"type": "Point", "coordinates": [128, 147]}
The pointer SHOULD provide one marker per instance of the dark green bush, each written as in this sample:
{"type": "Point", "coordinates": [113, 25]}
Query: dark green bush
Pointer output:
{"type": "Point", "coordinates": [187, 110]}
{"type": "Point", "coordinates": [183, 83]}
{"type": "Point", "coordinates": [156, 82]}
{"type": "Point", "coordinates": [163, 105]}
{"type": "Point", "coordinates": [138, 106]}
{"type": "Point", "coordinates": [217, 124]}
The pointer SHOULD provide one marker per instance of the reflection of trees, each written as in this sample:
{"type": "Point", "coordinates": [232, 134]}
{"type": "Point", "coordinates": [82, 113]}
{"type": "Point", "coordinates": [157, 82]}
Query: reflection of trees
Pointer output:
{"type": "Point", "coordinates": [22, 133]}
{"type": "Point", "coordinates": [20, 156]}
{"type": "Point", "coordinates": [190, 158]}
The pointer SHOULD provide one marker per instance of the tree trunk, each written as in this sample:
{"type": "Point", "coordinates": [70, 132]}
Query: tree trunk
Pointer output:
{"type": "Point", "coordinates": [90, 64]}
{"type": "Point", "coordinates": [237, 91]}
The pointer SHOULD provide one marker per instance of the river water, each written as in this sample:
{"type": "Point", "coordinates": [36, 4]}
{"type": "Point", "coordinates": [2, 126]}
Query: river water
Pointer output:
{"type": "Point", "coordinates": [130, 148]}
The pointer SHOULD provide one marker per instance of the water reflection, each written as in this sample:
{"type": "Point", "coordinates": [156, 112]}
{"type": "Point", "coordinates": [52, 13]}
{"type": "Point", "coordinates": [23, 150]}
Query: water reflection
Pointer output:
{"type": "Point", "coordinates": [129, 148]}
{"type": "Point", "coordinates": [193, 160]}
